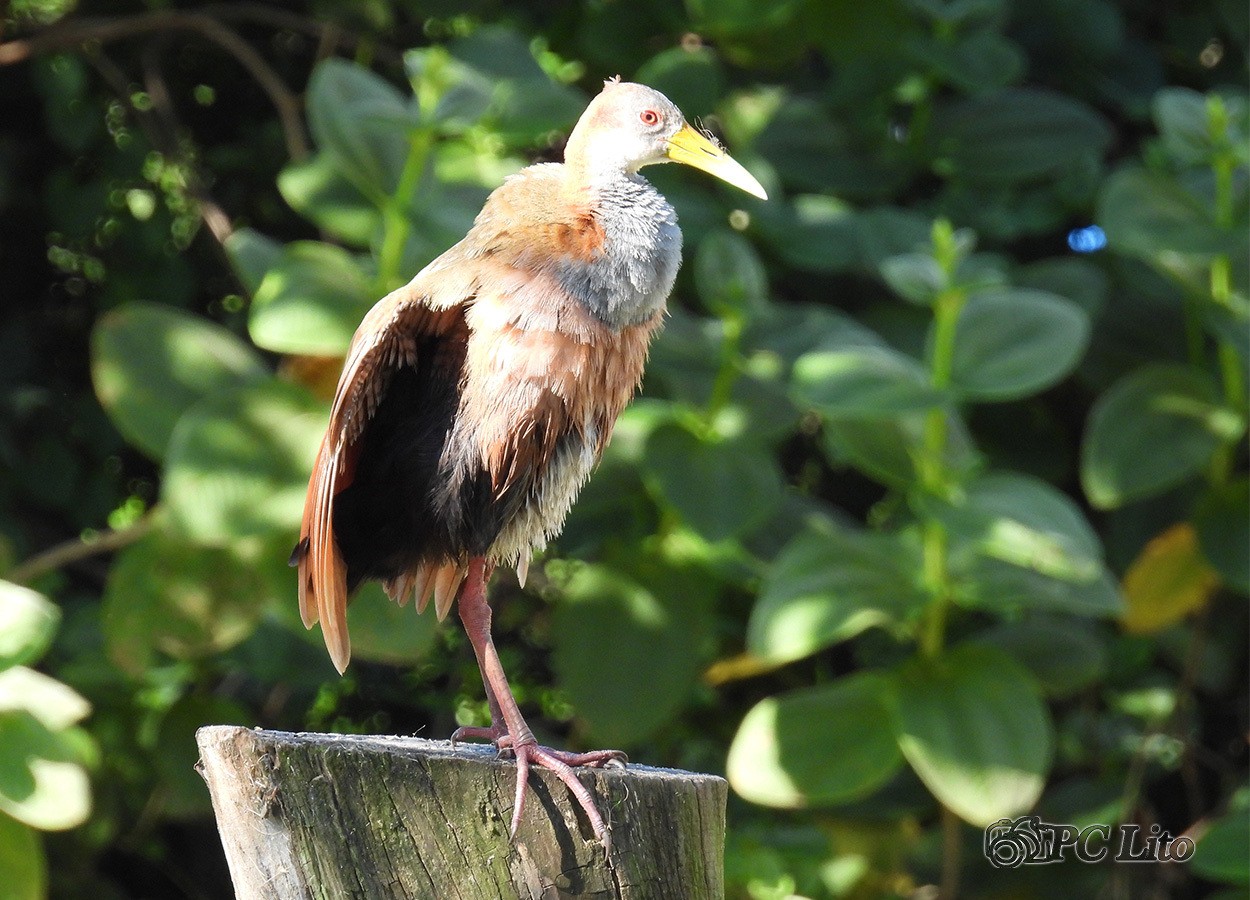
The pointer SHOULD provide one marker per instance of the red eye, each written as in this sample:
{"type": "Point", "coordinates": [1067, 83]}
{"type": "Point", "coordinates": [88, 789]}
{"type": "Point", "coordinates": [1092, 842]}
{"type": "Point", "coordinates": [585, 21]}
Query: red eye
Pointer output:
{"type": "Point", "coordinates": [649, 117]}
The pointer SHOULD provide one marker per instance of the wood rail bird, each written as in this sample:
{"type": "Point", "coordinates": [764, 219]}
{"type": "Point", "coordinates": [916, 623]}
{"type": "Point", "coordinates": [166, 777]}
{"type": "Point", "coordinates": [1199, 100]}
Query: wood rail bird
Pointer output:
{"type": "Point", "coordinates": [475, 400]}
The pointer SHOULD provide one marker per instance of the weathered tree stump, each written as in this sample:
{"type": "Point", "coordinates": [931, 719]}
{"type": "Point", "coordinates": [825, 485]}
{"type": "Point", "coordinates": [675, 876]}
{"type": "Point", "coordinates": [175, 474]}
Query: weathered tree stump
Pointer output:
{"type": "Point", "coordinates": [334, 816]}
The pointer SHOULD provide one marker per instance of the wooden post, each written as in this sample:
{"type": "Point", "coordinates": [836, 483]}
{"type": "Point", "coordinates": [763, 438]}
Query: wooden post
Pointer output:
{"type": "Point", "coordinates": [336, 816]}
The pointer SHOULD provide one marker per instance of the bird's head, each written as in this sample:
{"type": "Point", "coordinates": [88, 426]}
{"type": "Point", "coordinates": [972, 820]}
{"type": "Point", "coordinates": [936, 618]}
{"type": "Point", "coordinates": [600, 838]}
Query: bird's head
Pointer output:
{"type": "Point", "coordinates": [629, 126]}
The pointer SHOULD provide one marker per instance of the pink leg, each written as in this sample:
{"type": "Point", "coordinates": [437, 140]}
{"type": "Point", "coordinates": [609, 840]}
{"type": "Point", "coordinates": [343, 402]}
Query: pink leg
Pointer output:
{"type": "Point", "coordinates": [508, 730]}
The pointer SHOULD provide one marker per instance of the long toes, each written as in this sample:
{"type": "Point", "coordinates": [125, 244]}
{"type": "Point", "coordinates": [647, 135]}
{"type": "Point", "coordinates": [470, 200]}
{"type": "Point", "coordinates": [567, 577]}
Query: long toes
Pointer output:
{"type": "Point", "coordinates": [475, 733]}
{"type": "Point", "coordinates": [550, 759]}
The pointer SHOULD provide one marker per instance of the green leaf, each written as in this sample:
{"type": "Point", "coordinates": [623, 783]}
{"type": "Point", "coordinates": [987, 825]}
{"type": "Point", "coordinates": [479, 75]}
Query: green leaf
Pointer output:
{"type": "Point", "coordinates": [56, 705]}
{"type": "Point", "coordinates": [1017, 134]}
{"type": "Point", "coordinates": [1007, 589]}
{"type": "Point", "coordinates": [1224, 533]}
{"type": "Point", "coordinates": [830, 583]}
{"type": "Point", "coordinates": [643, 659]}
{"type": "Point", "coordinates": [151, 363]}
{"type": "Point", "coordinates": [973, 725]}
{"type": "Point", "coordinates": [693, 79]}
{"type": "Point", "coordinates": [28, 622]}
{"type": "Point", "coordinates": [22, 861]}
{"type": "Point", "coordinates": [863, 382]}
{"type": "Point", "coordinates": [181, 793]}
{"type": "Point", "coordinates": [1011, 343]}
{"type": "Point", "coordinates": [915, 277]}
{"type": "Point", "coordinates": [721, 488]}
{"type": "Point", "coordinates": [1026, 522]}
{"type": "Point", "coordinates": [975, 63]}
{"type": "Point", "coordinates": [384, 632]}
{"type": "Point", "coordinates": [1151, 430]}
{"type": "Point", "coordinates": [782, 753]}
{"type": "Point", "coordinates": [238, 462]}
{"type": "Point", "coordinates": [742, 16]}
{"type": "Point", "coordinates": [1181, 116]}
{"type": "Point", "coordinates": [1062, 654]}
{"type": "Point", "coordinates": [1223, 853]}
{"type": "Point", "coordinates": [362, 122]}
{"type": "Point", "coordinates": [315, 188]}
{"type": "Point", "coordinates": [888, 449]}
{"type": "Point", "coordinates": [1151, 215]}
{"type": "Point", "coordinates": [1078, 280]}
{"type": "Point", "coordinates": [252, 254]}
{"type": "Point", "coordinates": [729, 275]}
{"type": "Point", "coordinates": [311, 301]}
{"type": "Point", "coordinates": [167, 596]}
{"type": "Point", "coordinates": [41, 781]}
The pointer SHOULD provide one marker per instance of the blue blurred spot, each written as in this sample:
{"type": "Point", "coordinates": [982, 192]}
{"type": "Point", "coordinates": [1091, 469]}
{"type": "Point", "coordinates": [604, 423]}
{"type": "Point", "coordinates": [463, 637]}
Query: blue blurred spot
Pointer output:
{"type": "Point", "coordinates": [1089, 239]}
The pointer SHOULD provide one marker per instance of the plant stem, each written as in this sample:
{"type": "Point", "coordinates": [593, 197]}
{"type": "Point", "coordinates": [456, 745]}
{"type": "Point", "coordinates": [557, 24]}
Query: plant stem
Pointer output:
{"type": "Point", "coordinates": [1221, 293]}
{"type": "Point", "coordinates": [948, 888]}
{"type": "Point", "coordinates": [64, 554]}
{"type": "Point", "coordinates": [396, 223]}
{"type": "Point", "coordinates": [727, 373]}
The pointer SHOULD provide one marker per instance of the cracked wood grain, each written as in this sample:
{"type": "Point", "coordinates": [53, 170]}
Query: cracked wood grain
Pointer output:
{"type": "Point", "coordinates": [331, 816]}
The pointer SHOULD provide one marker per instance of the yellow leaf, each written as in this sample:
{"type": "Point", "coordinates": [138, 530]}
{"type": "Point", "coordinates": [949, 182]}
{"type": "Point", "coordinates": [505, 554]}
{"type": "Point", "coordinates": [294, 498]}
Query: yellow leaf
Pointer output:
{"type": "Point", "coordinates": [1169, 580]}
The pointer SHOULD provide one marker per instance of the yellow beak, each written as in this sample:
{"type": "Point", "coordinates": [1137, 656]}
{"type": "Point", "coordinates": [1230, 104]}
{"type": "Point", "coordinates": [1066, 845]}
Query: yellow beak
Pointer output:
{"type": "Point", "coordinates": [693, 149]}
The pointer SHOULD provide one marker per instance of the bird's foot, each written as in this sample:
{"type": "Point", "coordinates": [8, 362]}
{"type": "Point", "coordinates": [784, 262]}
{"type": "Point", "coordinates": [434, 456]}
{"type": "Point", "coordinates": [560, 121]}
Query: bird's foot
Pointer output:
{"type": "Point", "coordinates": [562, 762]}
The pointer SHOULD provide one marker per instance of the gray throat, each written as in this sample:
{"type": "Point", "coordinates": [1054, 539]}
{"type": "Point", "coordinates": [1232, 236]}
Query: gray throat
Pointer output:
{"type": "Point", "coordinates": [632, 277]}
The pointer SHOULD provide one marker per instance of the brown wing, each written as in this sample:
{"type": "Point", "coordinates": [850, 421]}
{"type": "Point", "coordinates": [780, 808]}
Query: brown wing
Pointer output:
{"type": "Point", "coordinates": [386, 340]}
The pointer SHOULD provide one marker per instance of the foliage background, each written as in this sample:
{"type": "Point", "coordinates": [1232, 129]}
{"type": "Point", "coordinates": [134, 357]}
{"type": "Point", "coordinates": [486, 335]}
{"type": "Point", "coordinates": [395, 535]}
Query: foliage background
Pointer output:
{"type": "Point", "coordinates": [923, 519]}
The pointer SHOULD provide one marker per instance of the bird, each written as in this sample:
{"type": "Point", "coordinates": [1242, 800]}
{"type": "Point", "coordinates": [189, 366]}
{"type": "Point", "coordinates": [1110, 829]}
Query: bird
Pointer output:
{"type": "Point", "coordinates": [476, 400]}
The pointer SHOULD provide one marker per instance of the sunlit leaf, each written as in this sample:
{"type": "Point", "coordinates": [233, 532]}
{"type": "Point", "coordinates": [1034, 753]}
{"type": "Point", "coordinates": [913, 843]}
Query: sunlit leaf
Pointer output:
{"type": "Point", "coordinates": [311, 301]}
{"type": "Point", "coordinates": [973, 725]}
{"type": "Point", "coordinates": [238, 462]}
{"type": "Point", "coordinates": [54, 704]}
{"type": "Point", "coordinates": [624, 652]}
{"type": "Point", "coordinates": [1168, 581]}
{"type": "Point", "coordinates": [28, 621]}
{"type": "Point", "coordinates": [1151, 430]}
{"type": "Point", "coordinates": [252, 254]}
{"type": "Point", "coordinates": [151, 363]}
{"type": "Point", "coordinates": [42, 782]}
{"type": "Point", "coordinates": [316, 188]}
{"type": "Point", "coordinates": [863, 382]}
{"type": "Point", "coordinates": [1064, 656]}
{"type": "Point", "coordinates": [782, 752]}
{"type": "Point", "coordinates": [831, 583]}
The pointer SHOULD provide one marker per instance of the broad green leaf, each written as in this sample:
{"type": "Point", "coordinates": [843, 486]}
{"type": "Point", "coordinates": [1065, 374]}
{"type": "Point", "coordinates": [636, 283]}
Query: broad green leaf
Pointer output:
{"type": "Point", "coordinates": [28, 622]}
{"type": "Point", "coordinates": [862, 382]}
{"type": "Point", "coordinates": [238, 462]}
{"type": "Point", "coordinates": [167, 596]}
{"type": "Point", "coordinates": [1223, 853]}
{"type": "Point", "coordinates": [151, 363]}
{"type": "Point", "coordinates": [742, 16]}
{"type": "Point", "coordinates": [1181, 116]}
{"type": "Point", "coordinates": [22, 861]}
{"type": "Point", "coordinates": [311, 301]}
{"type": "Point", "coordinates": [1023, 521]}
{"type": "Point", "coordinates": [627, 655]}
{"type": "Point", "coordinates": [41, 780]}
{"type": "Point", "coordinates": [252, 254]}
{"type": "Point", "coordinates": [54, 704]}
{"type": "Point", "coordinates": [1065, 656]}
{"type": "Point", "coordinates": [829, 584]}
{"type": "Point", "coordinates": [721, 488]}
{"type": "Point", "coordinates": [363, 122]}
{"type": "Point", "coordinates": [382, 631]}
{"type": "Point", "coordinates": [693, 79]}
{"type": "Point", "coordinates": [916, 277]}
{"type": "Point", "coordinates": [973, 725]}
{"type": "Point", "coordinates": [800, 143]}
{"type": "Point", "coordinates": [812, 233]}
{"type": "Point", "coordinates": [1168, 581]}
{"type": "Point", "coordinates": [1011, 343]}
{"type": "Point", "coordinates": [1152, 215]}
{"type": "Point", "coordinates": [975, 63]}
{"type": "Point", "coordinates": [815, 746]}
{"type": "Point", "coordinates": [315, 188]}
{"type": "Point", "coordinates": [1224, 533]}
{"type": "Point", "coordinates": [888, 450]}
{"type": "Point", "coordinates": [1017, 134]}
{"type": "Point", "coordinates": [1150, 431]}
{"type": "Point", "coordinates": [181, 793]}
{"type": "Point", "coordinates": [1007, 589]}
{"type": "Point", "coordinates": [729, 275]}
{"type": "Point", "coordinates": [1082, 282]}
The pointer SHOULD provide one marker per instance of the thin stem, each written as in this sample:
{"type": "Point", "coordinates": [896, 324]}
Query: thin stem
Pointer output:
{"type": "Point", "coordinates": [69, 552]}
{"type": "Point", "coordinates": [948, 889]}
{"type": "Point", "coordinates": [727, 373]}
{"type": "Point", "coordinates": [397, 223]}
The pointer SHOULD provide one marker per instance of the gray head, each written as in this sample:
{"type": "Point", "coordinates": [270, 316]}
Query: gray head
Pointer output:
{"type": "Point", "coordinates": [629, 126]}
